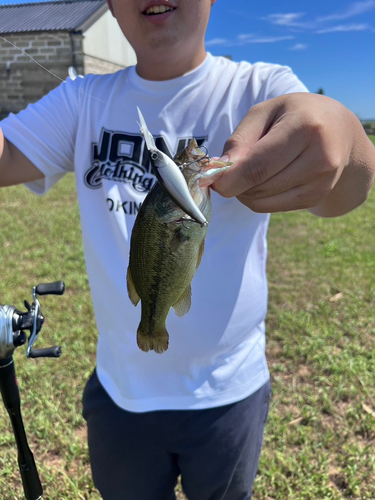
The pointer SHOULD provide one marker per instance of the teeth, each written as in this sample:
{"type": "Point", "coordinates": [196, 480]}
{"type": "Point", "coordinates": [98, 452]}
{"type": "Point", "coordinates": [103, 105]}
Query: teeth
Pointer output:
{"type": "Point", "coordinates": [158, 9]}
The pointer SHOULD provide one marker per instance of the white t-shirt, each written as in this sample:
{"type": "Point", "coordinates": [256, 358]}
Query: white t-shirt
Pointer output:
{"type": "Point", "coordinates": [216, 353]}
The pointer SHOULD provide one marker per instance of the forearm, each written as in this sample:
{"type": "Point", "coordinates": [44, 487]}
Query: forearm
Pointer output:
{"type": "Point", "coordinates": [15, 168]}
{"type": "Point", "coordinates": [354, 185]}
{"type": "Point", "coordinates": [2, 151]}
{"type": "Point", "coordinates": [4, 158]}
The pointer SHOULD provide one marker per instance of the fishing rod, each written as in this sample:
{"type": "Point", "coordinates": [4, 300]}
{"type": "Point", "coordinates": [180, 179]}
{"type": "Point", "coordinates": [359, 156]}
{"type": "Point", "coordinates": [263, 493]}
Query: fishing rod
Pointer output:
{"type": "Point", "coordinates": [13, 324]}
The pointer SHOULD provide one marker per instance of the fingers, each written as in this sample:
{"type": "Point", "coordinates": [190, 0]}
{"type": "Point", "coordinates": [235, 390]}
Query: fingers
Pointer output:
{"type": "Point", "coordinates": [300, 172]}
{"type": "Point", "coordinates": [280, 147]}
{"type": "Point", "coordinates": [302, 184]}
{"type": "Point", "coordinates": [288, 153]}
{"type": "Point", "coordinates": [254, 126]}
{"type": "Point", "coordinates": [296, 198]}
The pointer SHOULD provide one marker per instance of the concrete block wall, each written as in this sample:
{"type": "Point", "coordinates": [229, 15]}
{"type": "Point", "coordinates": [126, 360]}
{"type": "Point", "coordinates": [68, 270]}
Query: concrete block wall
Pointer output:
{"type": "Point", "coordinates": [98, 66]}
{"type": "Point", "coordinates": [22, 80]}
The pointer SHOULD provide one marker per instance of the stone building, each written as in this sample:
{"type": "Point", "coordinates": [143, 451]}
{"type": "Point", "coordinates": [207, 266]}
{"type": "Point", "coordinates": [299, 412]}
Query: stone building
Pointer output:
{"type": "Point", "coordinates": [63, 34]}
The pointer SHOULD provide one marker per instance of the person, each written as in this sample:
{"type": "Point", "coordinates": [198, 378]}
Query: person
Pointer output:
{"type": "Point", "coordinates": [199, 409]}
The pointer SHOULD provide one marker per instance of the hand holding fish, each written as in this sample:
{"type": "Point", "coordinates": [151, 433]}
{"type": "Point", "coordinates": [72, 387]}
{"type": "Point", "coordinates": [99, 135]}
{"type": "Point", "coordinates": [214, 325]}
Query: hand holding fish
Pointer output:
{"type": "Point", "coordinates": [298, 151]}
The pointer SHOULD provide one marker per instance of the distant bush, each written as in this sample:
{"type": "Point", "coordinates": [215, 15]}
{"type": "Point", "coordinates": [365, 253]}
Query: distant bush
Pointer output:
{"type": "Point", "coordinates": [369, 127]}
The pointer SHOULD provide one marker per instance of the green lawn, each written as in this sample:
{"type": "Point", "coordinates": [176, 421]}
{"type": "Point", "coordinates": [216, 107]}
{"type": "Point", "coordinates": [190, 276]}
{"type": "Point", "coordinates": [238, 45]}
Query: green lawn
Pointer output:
{"type": "Point", "coordinates": [320, 436]}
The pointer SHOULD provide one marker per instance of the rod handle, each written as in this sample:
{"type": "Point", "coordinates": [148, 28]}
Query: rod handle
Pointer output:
{"type": "Point", "coordinates": [30, 478]}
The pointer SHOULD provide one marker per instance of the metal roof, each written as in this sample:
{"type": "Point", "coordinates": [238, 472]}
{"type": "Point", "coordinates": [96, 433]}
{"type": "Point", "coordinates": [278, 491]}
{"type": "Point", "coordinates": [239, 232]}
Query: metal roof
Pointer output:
{"type": "Point", "coordinates": [73, 15]}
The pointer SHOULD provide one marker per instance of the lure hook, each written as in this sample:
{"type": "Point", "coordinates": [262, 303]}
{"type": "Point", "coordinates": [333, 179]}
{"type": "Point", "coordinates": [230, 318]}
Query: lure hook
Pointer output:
{"type": "Point", "coordinates": [203, 158]}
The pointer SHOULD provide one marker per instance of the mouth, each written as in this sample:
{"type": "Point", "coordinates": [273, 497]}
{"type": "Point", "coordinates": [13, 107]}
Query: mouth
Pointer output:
{"type": "Point", "coordinates": [157, 10]}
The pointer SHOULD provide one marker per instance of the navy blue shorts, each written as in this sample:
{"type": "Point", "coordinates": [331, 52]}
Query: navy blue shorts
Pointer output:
{"type": "Point", "coordinates": [139, 456]}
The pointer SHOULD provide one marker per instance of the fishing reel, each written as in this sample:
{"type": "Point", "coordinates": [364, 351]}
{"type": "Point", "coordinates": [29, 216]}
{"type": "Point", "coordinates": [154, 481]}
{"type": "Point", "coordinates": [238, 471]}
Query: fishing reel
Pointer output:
{"type": "Point", "coordinates": [14, 323]}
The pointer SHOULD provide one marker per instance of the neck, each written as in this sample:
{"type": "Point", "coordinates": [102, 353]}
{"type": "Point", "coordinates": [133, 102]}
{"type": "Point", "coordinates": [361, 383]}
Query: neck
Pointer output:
{"type": "Point", "coordinates": [158, 67]}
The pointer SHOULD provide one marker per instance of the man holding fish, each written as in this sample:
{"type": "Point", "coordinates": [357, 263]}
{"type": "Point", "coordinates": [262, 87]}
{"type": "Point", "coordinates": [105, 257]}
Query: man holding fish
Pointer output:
{"type": "Point", "coordinates": [198, 409]}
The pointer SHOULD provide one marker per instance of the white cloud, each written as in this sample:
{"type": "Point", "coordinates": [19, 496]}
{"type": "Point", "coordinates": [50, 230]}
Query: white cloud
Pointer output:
{"type": "Point", "coordinates": [217, 41]}
{"type": "Point", "coordinates": [251, 38]}
{"type": "Point", "coordinates": [354, 9]}
{"type": "Point", "coordinates": [293, 20]}
{"type": "Point", "coordinates": [299, 46]}
{"type": "Point", "coordinates": [344, 28]}
{"type": "Point", "coordinates": [247, 38]}
{"type": "Point", "coordinates": [270, 39]}
{"type": "Point", "coordinates": [290, 20]}
{"type": "Point", "coordinates": [284, 19]}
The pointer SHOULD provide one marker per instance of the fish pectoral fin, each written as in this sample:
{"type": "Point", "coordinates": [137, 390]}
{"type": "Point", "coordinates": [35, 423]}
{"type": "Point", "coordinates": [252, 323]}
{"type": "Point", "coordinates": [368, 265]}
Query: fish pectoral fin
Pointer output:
{"type": "Point", "coordinates": [179, 238]}
{"type": "Point", "coordinates": [182, 306]}
{"type": "Point", "coordinates": [200, 253]}
{"type": "Point", "coordinates": [132, 292]}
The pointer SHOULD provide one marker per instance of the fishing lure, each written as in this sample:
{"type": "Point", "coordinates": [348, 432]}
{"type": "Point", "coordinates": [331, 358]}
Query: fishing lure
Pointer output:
{"type": "Point", "coordinates": [170, 176]}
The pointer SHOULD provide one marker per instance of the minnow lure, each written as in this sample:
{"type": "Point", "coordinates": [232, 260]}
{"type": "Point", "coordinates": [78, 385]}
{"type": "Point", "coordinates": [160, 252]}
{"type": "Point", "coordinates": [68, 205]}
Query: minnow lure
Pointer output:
{"type": "Point", "coordinates": [170, 176]}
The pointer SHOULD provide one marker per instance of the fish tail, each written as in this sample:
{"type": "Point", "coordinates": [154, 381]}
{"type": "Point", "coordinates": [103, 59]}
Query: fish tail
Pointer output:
{"type": "Point", "coordinates": [157, 341]}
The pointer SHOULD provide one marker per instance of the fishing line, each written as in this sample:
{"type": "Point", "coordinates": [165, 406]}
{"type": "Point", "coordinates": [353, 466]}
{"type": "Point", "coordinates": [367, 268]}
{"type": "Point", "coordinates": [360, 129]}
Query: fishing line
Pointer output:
{"type": "Point", "coordinates": [53, 74]}
{"type": "Point", "coordinates": [205, 157]}
{"type": "Point", "coordinates": [36, 62]}
{"type": "Point", "coordinates": [62, 80]}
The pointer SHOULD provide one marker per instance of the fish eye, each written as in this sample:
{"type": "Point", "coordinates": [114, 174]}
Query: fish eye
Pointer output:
{"type": "Point", "coordinates": [154, 156]}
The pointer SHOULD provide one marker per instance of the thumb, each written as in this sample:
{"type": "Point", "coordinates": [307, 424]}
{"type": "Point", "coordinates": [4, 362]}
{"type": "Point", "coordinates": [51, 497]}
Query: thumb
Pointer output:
{"type": "Point", "coordinates": [253, 127]}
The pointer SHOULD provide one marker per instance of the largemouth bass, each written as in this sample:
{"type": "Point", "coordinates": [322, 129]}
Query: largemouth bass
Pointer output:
{"type": "Point", "coordinates": [166, 249]}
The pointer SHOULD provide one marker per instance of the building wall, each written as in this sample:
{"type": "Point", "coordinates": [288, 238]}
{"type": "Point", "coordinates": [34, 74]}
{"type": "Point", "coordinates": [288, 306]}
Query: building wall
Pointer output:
{"type": "Point", "coordinates": [101, 49]}
{"type": "Point", "coordinates": [105, 47]}
{"type": "Point", "coordinates": [98, 66]}
{"type": "Point", "coordinates": [22, 81]}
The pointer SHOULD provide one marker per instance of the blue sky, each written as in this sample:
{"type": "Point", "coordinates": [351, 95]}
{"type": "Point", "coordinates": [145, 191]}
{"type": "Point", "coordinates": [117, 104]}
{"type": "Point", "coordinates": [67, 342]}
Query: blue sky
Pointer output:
{"type": "Point", "coordinates": [328, 44]}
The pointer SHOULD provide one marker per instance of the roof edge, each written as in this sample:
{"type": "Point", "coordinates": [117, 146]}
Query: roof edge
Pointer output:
{"type": "Point", "coordinates": [23, 4]}
{"type": "Point", "coordinates": [93, 18]}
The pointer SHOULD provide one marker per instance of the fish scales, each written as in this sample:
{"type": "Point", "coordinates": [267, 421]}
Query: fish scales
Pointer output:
{"type": "Point", "coordinates": [164, 257]}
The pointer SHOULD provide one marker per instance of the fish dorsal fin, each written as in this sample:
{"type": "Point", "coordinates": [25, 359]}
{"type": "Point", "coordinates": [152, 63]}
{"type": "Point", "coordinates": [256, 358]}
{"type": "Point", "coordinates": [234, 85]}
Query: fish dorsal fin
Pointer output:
{"type": "Point", "coordinates": [182, 306]}
{"type": "Point", "coordinates": [132, 292]}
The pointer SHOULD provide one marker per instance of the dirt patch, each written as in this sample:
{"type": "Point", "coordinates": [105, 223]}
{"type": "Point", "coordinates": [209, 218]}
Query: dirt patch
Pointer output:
{"type": "Point", "coordinates": [339, 482]}
{"type": "Point", "coordinates": [81, 433]}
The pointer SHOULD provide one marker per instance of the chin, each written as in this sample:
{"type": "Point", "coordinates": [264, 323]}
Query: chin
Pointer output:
{"type": "Point", "coordinates": [161, 40]}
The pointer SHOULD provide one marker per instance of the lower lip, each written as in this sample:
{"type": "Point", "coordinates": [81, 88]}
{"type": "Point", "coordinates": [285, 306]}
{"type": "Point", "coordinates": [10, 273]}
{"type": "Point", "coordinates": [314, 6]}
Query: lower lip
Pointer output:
{"type": "Point", "coordinates": [159, 18]}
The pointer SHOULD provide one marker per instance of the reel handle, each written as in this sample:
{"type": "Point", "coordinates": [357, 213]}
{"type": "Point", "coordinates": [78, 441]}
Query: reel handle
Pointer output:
{"type": "Point", "coordinates": [48, 352]}
{"type": "Point", "coordinates": [56, 288]}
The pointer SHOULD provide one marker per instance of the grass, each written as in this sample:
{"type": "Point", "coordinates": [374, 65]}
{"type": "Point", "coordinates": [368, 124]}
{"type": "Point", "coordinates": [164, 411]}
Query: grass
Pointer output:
{"type": "Point", "coordinates": [320, 437]}
{"type": "Point", "coordinates": [321, 432]}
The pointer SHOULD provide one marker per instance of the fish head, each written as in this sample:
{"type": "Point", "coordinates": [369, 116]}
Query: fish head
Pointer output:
{"type": "Point", "coordinates": [192, 161]}
{"type": "Point", "coordinates": [197, 165]}
{"type": "Point", "coordinates": [191, 153]}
